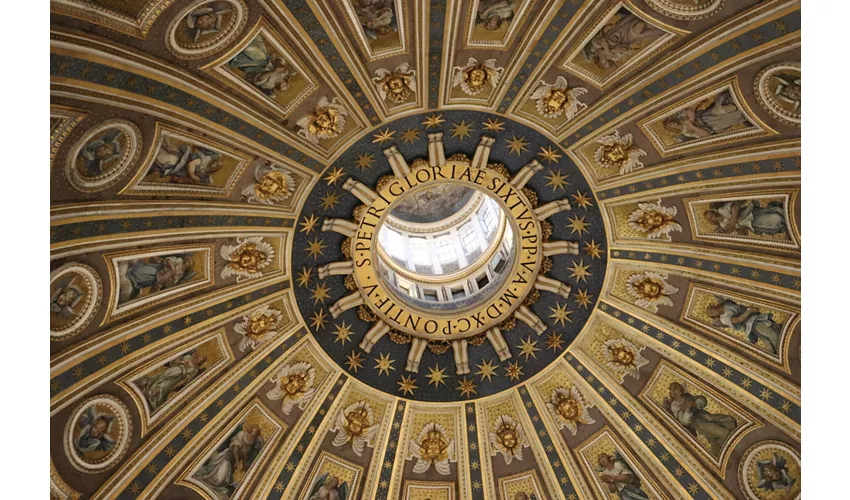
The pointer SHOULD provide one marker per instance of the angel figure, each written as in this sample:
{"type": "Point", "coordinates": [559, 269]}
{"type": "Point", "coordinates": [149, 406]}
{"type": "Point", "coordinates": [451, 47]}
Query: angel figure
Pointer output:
{"type": "Point", "coordinates": [293, 384]}
{"type": "Point", "coordinates": [749, 321]}
{"type": "Point", "coordinates": [95, 431]}
{"type": "Point", "coordinates": [745, 217]}
{"type": "Point", "coordinates": [623, 34]}
{"type": "Point", "coordinates": [66, 297]}
{"type": "Point", "coordinates": [177, 374]}
{"type": "Point", "coordinates": [99, 155]}
{"type": "Point", "coordinates": [706, 118]}
{"type": "Point", "coordinates": [258, 326]}
{"type": "Point", "coordinates": [789, 89]}
{"type": "Point", "coordinates": [270, 73]}
{"type": "Point", "coordinates": [555, 99]}
{"type": "Point", "coordinates": [328, 487]}
{"type": "Point", "coordinates": [206, 20]}
{"type": "Point", "coordinates": [247, 258]}
{"type": "Point", "coordinates": [396, 85]}
{"type": "Point", "coordinates": [475, 75]}
{"type": "Point", "coordinates": [376, 16]}
{"type": "Point", "coordinates": [432, 447]}
{"type": "Point", "coordinates": [182, 163]}
{"type": "Point", "coordinates": [615, 472]}
{"type": "Point", "coordinates": [569, 408]}
{"type": "Point", "coordinates": [327, 122]}
{"type": "Point", "coordinates": [492, 14]}
{"type": "Point", "coordinates": [773, 474]}
{"type": "Point", "coordinates": [272, 185]}
{"type": "Point", "coordinates": [154, 274]}
{"type": "Point", "coordinates": [618, 152]}
{"type": "Point", "coordinates": [508, 438]}
{"type": "Point", "coordinates": [224, 471]}
{"type": "Point", "coordinates": [355, 424]}
{"type": "Point", "coordinates": [689, 410]}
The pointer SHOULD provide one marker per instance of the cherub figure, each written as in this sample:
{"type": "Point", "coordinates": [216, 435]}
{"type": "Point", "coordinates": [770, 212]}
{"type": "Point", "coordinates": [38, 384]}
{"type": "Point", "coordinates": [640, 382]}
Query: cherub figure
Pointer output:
{"type": "Point", "coordinates": [206, 20]}
{"type": "Point", "coordinates": [773, 474]}
{"type": "Point", "coordinates": [270, 73]}
{"type": "Point", "coordinates": [95, 433]}
{"type": "Point", "coordinates": [66, 297]}
{"type": "Point", "coordinates": [558, 98]}
{"type": "Point", "coordinates": [492, 14]}
{"type": "Point", "coordinates": [376, 16]}
{"type": "Point", "coordinates": [328, 487]}
{"type": "Point", "coordinates": [100, 154]}
{"type": "Point", "coordinates": [326, 122]}
{"type": "Point", "coordinates": [183, 163]}
{"type": "Point", "coordinates": [474, 76]}
{"type": "Point", "coordinates": [396, 85]}
{"type": "Point", "coordinates": [615, 472]}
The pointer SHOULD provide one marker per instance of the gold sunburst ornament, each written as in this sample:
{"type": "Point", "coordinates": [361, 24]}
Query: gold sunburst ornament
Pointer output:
{"type": "Point", "coordinates": [569, 408]}
{"type": "Point", "coordinates": [556, 99]}
{"type": "Point", "coordinates": [654, 220]}
{"type": "Point", "coordinates": [618, 152]}
{"type": "Point", "coordinates": [326, 122]}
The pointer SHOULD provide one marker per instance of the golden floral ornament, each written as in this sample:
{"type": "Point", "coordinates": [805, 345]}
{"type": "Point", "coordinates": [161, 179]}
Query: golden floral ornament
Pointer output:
{"type": "Point", "coordinates": [432, 447]}
{"type": "Point", "coordinates": [473, 77]}
{"type": "Point", "coordinates": [624, 357]}
{"type": "Point", "coordinates": [396, 85]}
{"type": "Point", "coordinates": [650, 290]}
{"type": "Point", "coordinates": [508, 438]}
{"type": "Point", "coordinates": [654, 219]}
{"type": "Point", "coordinates": [569, 408]}
{"type": "Point", "coordinates": [247, 258]}
{"type": "Point", "coordinates": [555, 99]}
{"type": "Point", "coordinates": [616, 151]}
{"type": "Point", "coordinates": [272, 184]}
{"type": "Point", "coordinates": [327, 122]}
{"type": "Point", "coordinates": [294, 385]}
{"type": "Point", "coordinates": [257, 327]}
{"type": "Point", "coordinates": [355, 424]}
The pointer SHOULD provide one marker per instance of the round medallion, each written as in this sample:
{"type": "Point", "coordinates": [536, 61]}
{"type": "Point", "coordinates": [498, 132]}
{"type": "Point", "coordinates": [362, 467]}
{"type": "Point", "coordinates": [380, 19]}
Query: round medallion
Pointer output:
{"type": "Point", "coordinates": [98, 434]}
{"type": "Point", "coordinates": [103, 155]}
{"type": "Point", "coordinates": [778, 90]}
{"type": "Point", "coordinates": [770, 470]}
{"type": "Point", "coordinates": [687, 9]}
{"type": "Point", "coordinates": [205, 27]}
{"type": "Point", "coordinates": [452, 259]}
{"type": "Point", "coordinates": [75, 295]}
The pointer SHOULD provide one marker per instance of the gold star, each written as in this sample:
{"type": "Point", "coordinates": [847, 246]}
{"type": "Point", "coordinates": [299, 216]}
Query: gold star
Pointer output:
{"type": "Point", "coordinates": [410, 135]}
{"type": "Point", "coordinates": [461, 130]}
{"type": "Point", "coordinates": [384, 135]}
{"type": "Point", "coordinates": [578, 225]}
{"type": "Point", "coordinates": [364, 161]}
{"type": "Point", "coordinates": [135, 488]}
{"type": "Point", "coordinates": [342, 333]}
{"type": "Point", "coordinates": [407, 385]}
{"type": "Point", "coordinates": [593, 249]}
{"type": "Point", "coordinates": [330, 201]}
{"type": "Point", "coordinates": [514, 371]}
{"type": "Point", "coordinates": [433, 120]}
{"type": "Point", "coordinates": [493, 125]}
{"type": "Point", "coordinates": [334, 175]}
{"type": "Point", "coordinates": [319, 318]}
{"type": "Point", "coordinates": [582, 199]}
{"type": "Point", "coordinates": [384, 364]}
{"type": "Point", "coordinates": [766, 394]}
{"type": "Point", "coordinates": [170, 451]}
{"type": "Point", "coordinates": [354, 362]}
{"type": "Point", "coordinates": [583, 298]}
{"type": "Point", "coordinates": [436, 376]}
{"type": "Point", "coordinates": [560, 314]}
{"type": "Point", "coordinates": [320, 293]}
{"type": "Point", "coordinates": [466, 387]}
{"type": "Point", "coordinates": [549, 154]}
{"type": "Point", "coordinates": [516, 145]}
{"type": "Point", "coordinates": [309, 224]}
{"type": "Point", "coordinates": [556, 180]}
{"type": "Point", "coordinates": [315, 248]}
{"type": "Point", "coordinates": [527, 347]}
{"type": "Point", "coordinates": [786, 406]}
{"type": "Point", "coordinates": [579, 271]}
{"type": "Point", "coordinates": [486, 370]}
{"type": "Point", "coordinates": [554, 342]}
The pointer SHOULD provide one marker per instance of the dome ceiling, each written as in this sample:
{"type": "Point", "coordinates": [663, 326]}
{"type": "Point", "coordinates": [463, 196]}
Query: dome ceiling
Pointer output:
{"type": "Point", "coordinates": [221, 329]}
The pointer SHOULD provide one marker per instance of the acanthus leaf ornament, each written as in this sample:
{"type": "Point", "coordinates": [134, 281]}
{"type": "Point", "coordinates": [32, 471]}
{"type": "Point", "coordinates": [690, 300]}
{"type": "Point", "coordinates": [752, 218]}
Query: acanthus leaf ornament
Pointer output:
{"type": "Point", "coordinates": [654, 220]}
{"type": "Point", "coordinates": [473, 77]}
{"type": "Point", "coordinates": [326, 122]}
{"type": "Point", "coordinates": [555, 99]}
{"type": "Point", "coordinates": [397, 85]}
{"type": "Point", "coordinates": [619, 152]}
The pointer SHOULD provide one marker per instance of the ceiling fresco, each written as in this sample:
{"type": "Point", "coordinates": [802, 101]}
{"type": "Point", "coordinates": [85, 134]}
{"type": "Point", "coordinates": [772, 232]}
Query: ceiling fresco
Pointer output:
{"type": "Point", "coordinates": [219, 328]}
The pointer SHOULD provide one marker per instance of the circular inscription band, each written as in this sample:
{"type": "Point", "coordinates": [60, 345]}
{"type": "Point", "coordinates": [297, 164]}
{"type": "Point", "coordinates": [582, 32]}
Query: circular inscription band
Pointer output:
{"type": "Point", "coordinates": [456, 323]}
